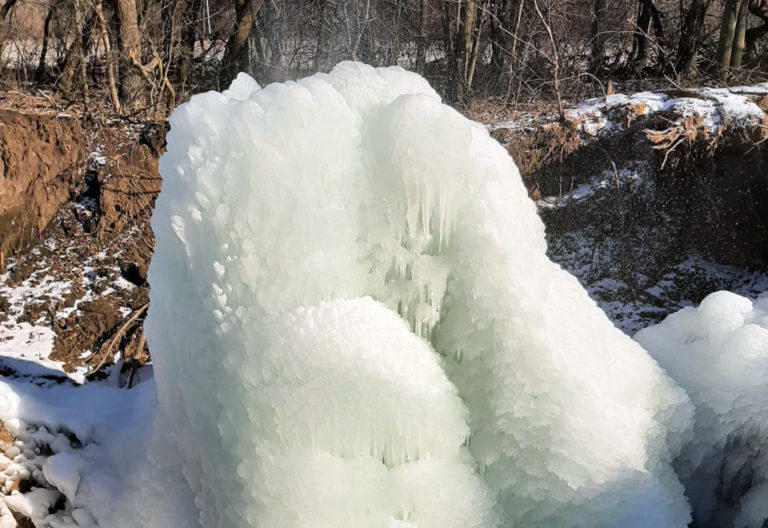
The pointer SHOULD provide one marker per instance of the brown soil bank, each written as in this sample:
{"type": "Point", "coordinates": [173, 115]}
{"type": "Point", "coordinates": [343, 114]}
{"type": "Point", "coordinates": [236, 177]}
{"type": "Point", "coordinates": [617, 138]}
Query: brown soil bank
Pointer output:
{"type": "Point", "coordinates": [76, 196]}
{"type": "Point", "coordinates": [41, 161]}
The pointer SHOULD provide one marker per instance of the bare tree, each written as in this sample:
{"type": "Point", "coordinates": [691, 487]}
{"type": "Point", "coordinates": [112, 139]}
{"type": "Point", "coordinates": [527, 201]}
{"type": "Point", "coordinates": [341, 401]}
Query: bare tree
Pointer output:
{"type": "Point", "coordinates": [75, 57]}
{"type": "Point", "coordinates": [648, 16]}
{"type": "Point", "coordinates": [553, 58]}
{"type": "Point", "coordinates": [756, 34]}
{"type": "Point", "coordinates": [421, 50]}
{"type": "Point", "coordinates": [129, 40]}
{"type": "Point", "coordinates": [727, 33]}
{"type": "Point", "coordinates": [110, 67]}
{"type": "Point", "coordinates": [41, 64]}
{"type": "Point", "coordinates": [691, 34]}
{"type": "Point", "coordinates": [190, 11]}
{"type": "Point", "coordinates": [7, 6]}
{"type": "Point", "coordinates": [739, 38]}
{"type": "Point", "coordinates": [466, 48]}
{"type": "Point", "coordinates": [597, 55]}
{"type": "Point", "coordinates": [236, 54]}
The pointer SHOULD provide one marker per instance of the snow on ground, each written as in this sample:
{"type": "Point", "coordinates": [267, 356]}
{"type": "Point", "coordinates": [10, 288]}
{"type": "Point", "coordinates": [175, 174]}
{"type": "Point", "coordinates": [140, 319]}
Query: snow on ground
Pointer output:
{"type": "Point", "coordinates": [625, 177]}
{"type": "Point", "coordinates": [55, 449]}
{"type": "Point", "coordinates": [715, 106]}
{"type": "Point", "coordinates": [671, 293]}
{"type": "Point", "coordinates": [589, 236]}
{"type": "Point", "coordinates": [46, 290]}
{"type": "Point", "coordinates": [26, 345]}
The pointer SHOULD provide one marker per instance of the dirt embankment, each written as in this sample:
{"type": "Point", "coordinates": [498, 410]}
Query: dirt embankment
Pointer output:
{"type": "Point", "coordinates": [705, 152]}
{"type": "Point", "coordinates": [652, 200]}
{"type": "Point", "coordinates": [41, 163]}
{"type": "Point", "coordinates": [75, 202]}
{"type": "Point", "coordinates": [629, 187]}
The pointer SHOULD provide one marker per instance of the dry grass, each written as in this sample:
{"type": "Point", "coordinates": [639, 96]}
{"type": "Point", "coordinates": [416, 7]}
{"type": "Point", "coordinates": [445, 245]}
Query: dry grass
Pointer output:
{"type": "Point", "coordinates": [682, 130]}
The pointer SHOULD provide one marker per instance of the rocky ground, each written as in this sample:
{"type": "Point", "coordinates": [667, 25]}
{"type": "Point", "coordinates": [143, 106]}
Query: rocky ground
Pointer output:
{"type": "Point", "coordinates": [652, 200]}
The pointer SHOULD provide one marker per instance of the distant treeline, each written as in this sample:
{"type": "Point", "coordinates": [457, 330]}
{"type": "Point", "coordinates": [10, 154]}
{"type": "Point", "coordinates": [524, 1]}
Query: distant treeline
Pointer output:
{"type": "Point", "coordinates": [149, 54]}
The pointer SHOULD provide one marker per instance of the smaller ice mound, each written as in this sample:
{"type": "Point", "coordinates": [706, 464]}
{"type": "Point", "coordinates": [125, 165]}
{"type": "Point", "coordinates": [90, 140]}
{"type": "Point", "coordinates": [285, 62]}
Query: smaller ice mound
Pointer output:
{"type": "Point", "coordinates": [349, 421]}
{"type": "Point", "coordinates": [350, 378]}
{"type": "Point", "coordinates": [356, 425]}
{"type": "Point", "coordinates": [719, 353]}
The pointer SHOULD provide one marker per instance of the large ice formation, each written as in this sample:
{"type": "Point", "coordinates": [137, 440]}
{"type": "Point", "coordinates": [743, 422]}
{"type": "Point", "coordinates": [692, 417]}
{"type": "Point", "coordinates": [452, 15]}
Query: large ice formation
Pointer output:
{"type": "Point", "coordinates": [719, 353]}
{"type": "Point", "coordinates": [296, 222]}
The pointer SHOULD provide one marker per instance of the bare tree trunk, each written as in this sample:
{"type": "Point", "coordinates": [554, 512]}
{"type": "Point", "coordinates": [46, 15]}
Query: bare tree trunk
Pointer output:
{"type": "Point", "coordinates": [597, 58]}
{"type": "Point", "coordinates": [727, 32]}
{"type": "Point", "coordinates": [642, 37]}
{"type": "Point", "coordinates": [739, 39]}
{"type": "Point", "coordinates": [6, 8]}
{"type": "Point", "coordinates": [189, 23]}
{"type": "Point", "coordinates": [448, 33]}
{"type": "Point", "coordinates": [658, 30]}
{"type": "Point", "coordinates": [64, 83]}
{"type": "Point", "coordinates": [168, 13]}
{"type": "Point", "coordinates": [476, 45]}
{"type": "Point", "coordinates": [272, 55]}
{"type": "Point", "coordinates": [505, 26]}
{"type": "Point", "coordinates": [363, 47]}
{"type": "Point", "coordinates": [756, 34]}
{"type": "Point", "coordinates": [554, 60]}
{"type": "Point", "coordinates": [516, 32]}
{"type": "Point", "coordinates": [40, 73]}
{"type": "Point", "coordinates": [691, 37]}
{"type": "Point", "coordinates": [465, 21]}
{"type": "Point", "coordinates": [79, 12]}
{"type": "Point", "coordinates": [469, 23]}
{"type": "Point", "coordinates": [498, 35]}
{"type": "Point", "coordinates": [648, 16]}
{"type": "Point", "coordinates": [325, 18]}
{"type": "Point", "coordinates": [108, 55]}
{"type": "Point", "coordinates": [236, 53]}
{"type": "Point", "coordinates": [132, 90]}
{"type": "Point", "coordinates": [75, 58]}
{"type": "Point", "coordinates": [421, 50]}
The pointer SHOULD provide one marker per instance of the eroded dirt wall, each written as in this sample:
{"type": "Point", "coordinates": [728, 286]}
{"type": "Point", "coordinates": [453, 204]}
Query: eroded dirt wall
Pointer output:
{"type": "Point", "coordinates": [41, 163]}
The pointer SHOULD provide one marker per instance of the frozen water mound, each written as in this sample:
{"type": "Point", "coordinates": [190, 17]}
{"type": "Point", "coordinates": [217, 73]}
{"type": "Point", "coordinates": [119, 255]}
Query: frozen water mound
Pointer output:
{"type": "Point", "coordinates": [719, 353]}
{"type": "Point", "coordinates": [354, 324]}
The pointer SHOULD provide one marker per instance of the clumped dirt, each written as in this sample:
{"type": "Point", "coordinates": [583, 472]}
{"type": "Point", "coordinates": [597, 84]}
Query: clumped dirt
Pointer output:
{"type": "Point", "coordinates": [712, 184]}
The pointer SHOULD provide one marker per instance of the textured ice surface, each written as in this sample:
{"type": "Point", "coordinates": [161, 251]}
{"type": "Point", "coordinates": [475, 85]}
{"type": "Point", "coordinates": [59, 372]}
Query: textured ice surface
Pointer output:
{"type": "Point", "coordinates": [719, 353]}
{"type": "Point", "coordinates": [296, 222]}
